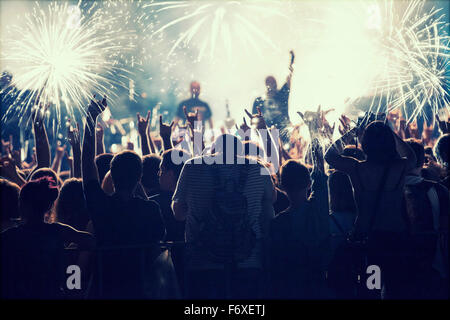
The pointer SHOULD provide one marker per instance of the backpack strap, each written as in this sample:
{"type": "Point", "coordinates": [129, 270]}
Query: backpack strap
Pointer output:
{"type": "Point", "coordinates": [378, 198]}
{"type": "Point", "coordinates": [338, 225]}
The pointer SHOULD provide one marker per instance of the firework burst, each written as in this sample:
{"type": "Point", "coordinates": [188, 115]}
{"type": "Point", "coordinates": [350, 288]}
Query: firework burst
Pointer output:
{"type": "Point", "coordinates": [213, 26]}
{"type": "Point", "coordinates": [62, 54]}
{"type": "Point", "coordinates": [415, 59]}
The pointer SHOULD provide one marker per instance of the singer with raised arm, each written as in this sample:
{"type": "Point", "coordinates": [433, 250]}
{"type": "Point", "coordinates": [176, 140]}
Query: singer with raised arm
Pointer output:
{"type": "Point", "coordinates": [193, 105]}
{"type": "Point", "coordinates": [274, 104]}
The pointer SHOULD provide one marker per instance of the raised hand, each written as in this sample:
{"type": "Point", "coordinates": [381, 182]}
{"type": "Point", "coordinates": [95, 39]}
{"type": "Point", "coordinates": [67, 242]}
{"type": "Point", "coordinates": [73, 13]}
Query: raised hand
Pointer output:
{"type": "Point", "coordinates": [38, 113]}
{"type": "Point", "coordinates": [97, 107]}
{"type": "Point", "coordinates": [142, 123]}
{"type": "Point", "coordinates": [393, 116]}
{"type": "Point", "coordinates": [165, 130]}
{"type": "Point", "coordinates": [314, 120]}
{"type": "Point", "coordinates": [444, 126]}
{"type": "Point", "coordinates": [8, 169]}
{"type": "Point", "coordinates": [244, 126]}
{"type": "Point", "coordinates": [257, 120]}
{"type": "Point", "coordinates": [291, 69]}
{"type": "Point", "coordinates": [413, 129]}
{"type": "Point", "coordinates": [344, 127]}
{"type": "Point", "coordinates": [191, 117]}
{"type": "Point", "coordinates": [73, 134]}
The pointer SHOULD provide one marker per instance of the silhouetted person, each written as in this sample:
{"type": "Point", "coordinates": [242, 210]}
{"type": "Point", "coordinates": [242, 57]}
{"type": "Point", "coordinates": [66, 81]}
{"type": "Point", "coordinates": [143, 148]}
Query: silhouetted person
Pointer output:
{"type": "Point", "coordinates": [9, 204]}
{"type": "Point", "coordinates": [120, 219]}
{"type": "Point", "coordinates": [299, 236]}
{"type": "Point", "coordinates": [224, 254]}
{"type": "Point", "coordinates": [33, 264]}
{"type": "Point", "coordinates": [378, 184]}
{"type": "Point", "coordinates": [150, 169]}
{"type": "Point", "coordinates": [194, 104]}
{"type": "Point", "coordinates": [343, 213]}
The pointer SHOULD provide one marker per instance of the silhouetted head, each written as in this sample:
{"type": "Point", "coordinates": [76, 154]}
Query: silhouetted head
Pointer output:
{"type": "Point", "coordinates": [150, 169]}
{"type": "Point", "coordinates": [354, 152]}
{"type": "Point", "coordinates": [341, 193]}
{"type": "Point", "coordinates": [419, 150]}
{"type": "Point", "coordinates": [294, 176]}
{"type": "Point", "coordinates": [103, 163]}
{"type": "Point", "coordinates": [37, 198]}
{"type": "Point", "coordinates": [195, 89]}
{"type": "Point", "coordinates": [9, 201]}
{"type": "Point", "coordinates": [46, 172]}
{"type": "Point", "coordinates": [170, 168]}
{"type": "Point", "coordinates": [126, 171]}
{"type": "Point", "coordinates": [441, 150]}
{"type": "Point", "coordinates": [271, 85]}
{"type": "Point", "coordinates": [378, 143]}
{"type": "Point", "coordinates": [71, 204]}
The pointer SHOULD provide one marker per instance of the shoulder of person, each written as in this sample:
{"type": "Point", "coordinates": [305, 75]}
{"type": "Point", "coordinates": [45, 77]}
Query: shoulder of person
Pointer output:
{"type": "Point", "coordinates": [282, 216]}
{"type": "Point", "coordinates": [149, 205]}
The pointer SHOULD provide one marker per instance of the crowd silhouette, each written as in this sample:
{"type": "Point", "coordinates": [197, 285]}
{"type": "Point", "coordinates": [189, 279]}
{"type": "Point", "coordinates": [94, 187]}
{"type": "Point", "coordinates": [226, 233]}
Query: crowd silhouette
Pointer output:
{"type": "Point", "coordinates": [244, 217]}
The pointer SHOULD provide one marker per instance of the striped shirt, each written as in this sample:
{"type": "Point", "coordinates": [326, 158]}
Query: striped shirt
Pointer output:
{"type": "Point", "coordinates": [195, 189]}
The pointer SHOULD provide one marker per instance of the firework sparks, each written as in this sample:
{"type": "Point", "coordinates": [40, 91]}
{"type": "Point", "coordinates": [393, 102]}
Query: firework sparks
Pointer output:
{"type": "Point", "coordinates": [63, 53]}
{"type": "Point", "coordinates": [415, 50]}
{"type": "Point", "coordinates": [216, 25]}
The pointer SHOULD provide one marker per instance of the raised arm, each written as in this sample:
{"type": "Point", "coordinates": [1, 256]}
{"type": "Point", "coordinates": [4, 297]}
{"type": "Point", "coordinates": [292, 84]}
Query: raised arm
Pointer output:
{"type": "Point", "coordinates": [142, 124]}
{"type": "Point", "coordinates": [291, 69]}
{"type": "Point", "coordinates": [73, 136]}
{"type": "Point", "coordinates": [8, 169]}
{"type": "Point", "coordinates": [405, 151]}
{"type": "Point", "coordinates": [59, 154]}
{"type": "Point", "coordinates": [268, 143]}
{"type": "Point", "coordinates": [43, 156]}
{"type": "Point", "coordinates": [100, 143]}
{"type": "Point", "coordinates": [165, 131]}
{"type": "Point", "coordinates": [89, 169]}
{"type": "Point", "coordinates": [334, 154]}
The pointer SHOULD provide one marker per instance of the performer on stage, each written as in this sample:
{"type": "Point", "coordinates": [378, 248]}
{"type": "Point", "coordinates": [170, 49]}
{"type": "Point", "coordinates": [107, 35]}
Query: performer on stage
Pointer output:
{"type": "Point", "coordinates": [193, 104]}
{"type": "Point", "coordinates": [274, 105]}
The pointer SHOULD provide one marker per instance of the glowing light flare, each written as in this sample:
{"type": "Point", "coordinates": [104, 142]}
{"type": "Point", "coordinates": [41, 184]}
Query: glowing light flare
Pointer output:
{"type": "Point", "coordinates": [63, 57]}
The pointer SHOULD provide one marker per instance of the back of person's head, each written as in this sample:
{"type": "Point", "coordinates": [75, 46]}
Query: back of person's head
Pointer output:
{"type": "Point", "coordinates": [71, 205]}
{"type": "Point", "coordinates": [294, 176]}
{"type": "Point", "coordinates": [419, 151]}
{"type": "Point", "coordinates": [150, 169]}
{"type": "Point", "coordinates": [9, 200]}
{"type": "Point", "coordinates": [354, 152]}
{"type": "Point", "coordinates": [228, 146]}
{"type": "Point", "coordinates": [103, 162]}
{"type": "Point", "coordinates": [172, 163]}
{"type": "Point", "coordinates": [46, 172]}
{"type": "Point", "coordinates": [36, 198]}
{"type": "Point", "coordinates": [126, 170]}
{"type": "Point", "coordinates": [174, 159]}
{"type": "Point", "coordinates": [441, 149]}
{"type": "Point", "coordinates": [378, 143]}
{"type": "Point", "coordinates": [341, 193]}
